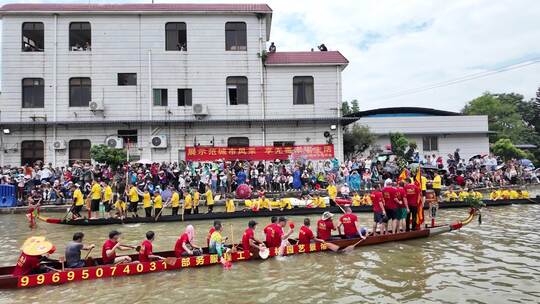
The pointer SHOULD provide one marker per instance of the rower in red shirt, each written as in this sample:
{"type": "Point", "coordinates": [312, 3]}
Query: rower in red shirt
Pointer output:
{"type": "Point", "coordinates": [34, 250]}
{"type": "Point", "coordinates": [403, 208]}
{"type": "Point", "coordinates": [281, 238]}
{"type": "Point", "coordinates": [249, 242]}
{"type": "Point", "coordinates": [184, 246]}
{"type": "Point", "coordinates": [212, 230]}
{"type": "Point", "coordinates": [349, 221]}
{"type": "Point", "coordinates": [390, 205]}
{"type": "Point", "coordinates": [305, 235]}
{"type": "Point", "coordinates": [414, 200]}
{"type": "Point", "coordinates": [146, 254]}
{"type": "Point", "coordinates": [379, 213]}
{"type": "Point", "coordinates": [270, 233]}
{"type": "Point", "coordinates": [325, 226]}
{"type": "Point", "coordinates": [108, 251]}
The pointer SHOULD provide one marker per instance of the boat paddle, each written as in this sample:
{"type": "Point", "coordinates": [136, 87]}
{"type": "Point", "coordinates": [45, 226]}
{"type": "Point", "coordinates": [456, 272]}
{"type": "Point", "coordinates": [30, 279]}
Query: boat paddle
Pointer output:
{"type": "Point", "coordinates": [68, 212]}
{"type": "Point", "coordinates": [88, 253]}
{"type": "Point", "coordinates": [351, 247]}
{"type": "Point", "coordinates": [233, 246]}
{"type": "Point", "coordinates": [159, 214]}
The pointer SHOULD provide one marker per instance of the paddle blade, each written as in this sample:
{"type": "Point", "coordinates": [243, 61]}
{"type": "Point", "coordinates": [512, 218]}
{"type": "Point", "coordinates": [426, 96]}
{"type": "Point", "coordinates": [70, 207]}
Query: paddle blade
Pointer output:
{"type": "Point", "coordinates": [349, 248]}
{"type": "Point", "coordinates": [333, 247]}
{"type": "Point", "coordinates": [170, 261]}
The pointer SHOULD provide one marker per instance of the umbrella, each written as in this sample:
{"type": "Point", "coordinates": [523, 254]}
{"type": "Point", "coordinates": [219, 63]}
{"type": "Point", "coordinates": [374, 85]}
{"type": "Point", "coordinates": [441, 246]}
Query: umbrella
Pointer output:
{"type": "Point", "coordinates": [143, 162]}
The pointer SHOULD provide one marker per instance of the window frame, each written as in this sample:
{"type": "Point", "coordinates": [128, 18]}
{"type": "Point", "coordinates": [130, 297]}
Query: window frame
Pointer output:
{"type": "Point", "coordinates": [240, 41]}
{"type": "Point", "coordinates": [24, 93]}
{"type": "Point", "coordinates": [131, 134]}
{"type": "Point", "coordinates": [42, 37]}
{"type": "Point", "coordinates": [80, 148]}
{"type": "Point", "coordinates": [178, 37]}
{"type": "Point", "coordinates": [432, 142]}
{"type": "Point", "coordinates": [237, 82]}
{"type": "Point", "coordinates": [236, 145]}
{"type": "Point", "coordinates": [127, 83]}
{"type": "Point", "coordinates": [81, 86]}
{"type": "Point", "coordinates": [185, 102]}
{"type": "Point", "coordinates": [81, 30]}
{"type": "Point", "coordinates": [301, 83]}
{"type": "Point", "coordinates": [35, 156]}
{"type": "Point", "coordinates": [286, 143]}
{"type": "Point", "coordinates": [161, 97]}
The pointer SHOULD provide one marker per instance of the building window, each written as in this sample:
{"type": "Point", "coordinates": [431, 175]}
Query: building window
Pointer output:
{"type": "Point", "coordinates": [80, 36]}
{"type": "Point", "coordinates": [128, 136]}
{"type": "Point", "coordinates": [127, 79]}
{"type": "Point", "coordinates": [184, 97]}
{"type": "Point", "coordinates": [237, 90]}
{"type": "Point", "coordinates": [33, 37]}
{"type": "Point", "coordinates": [160, 97]}
{"type": "Point", "coordinates": [80, 92]}
{"type": "Point", "coordinates": [33, 95]}
{"type": "Point", "coordinates": [32, 151]}
{"type": "Point", "coordinates": [430, 143]}
{"type": "Point", "coordinates": [284, 144]}
{"type": "Point", "coordinates": [238, 142]}
{"type": "Point", "coordinates": [79, 149]}
{"type": "Point", "coordinates": [235, 36]}
{"type": "Point", "coordinates": [303, 90]}
{"type": "Point", "coordinates": [175, 36]}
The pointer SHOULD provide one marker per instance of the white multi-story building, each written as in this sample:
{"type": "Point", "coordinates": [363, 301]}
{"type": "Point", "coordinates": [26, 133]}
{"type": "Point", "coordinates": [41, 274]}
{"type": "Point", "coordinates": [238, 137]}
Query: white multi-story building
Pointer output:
{"type": "Point", "coordinates": [163, 76]}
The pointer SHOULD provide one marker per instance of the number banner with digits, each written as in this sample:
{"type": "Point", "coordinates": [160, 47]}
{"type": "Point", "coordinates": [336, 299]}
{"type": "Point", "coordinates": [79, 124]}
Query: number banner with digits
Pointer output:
{"type": "Point", "coordinates": [312, 152]}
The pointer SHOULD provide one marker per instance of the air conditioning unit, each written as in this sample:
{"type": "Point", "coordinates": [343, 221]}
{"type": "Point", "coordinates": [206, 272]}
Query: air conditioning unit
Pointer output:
{"type": "Point", "coordinates": [199, 109]}
{"type": "Point", "coordinates": [59, 144]}
{"type": "Point", "coordinates": [114, 142]}
{"type": "Point", "coordinates": [95, 106]}
{"type": "Point", "coordinates": [159, 142]}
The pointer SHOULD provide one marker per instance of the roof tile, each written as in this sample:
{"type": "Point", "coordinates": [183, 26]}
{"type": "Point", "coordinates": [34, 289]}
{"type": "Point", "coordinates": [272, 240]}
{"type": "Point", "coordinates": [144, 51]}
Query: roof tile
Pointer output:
{"type": "Point", "coordinates": [315, 58]}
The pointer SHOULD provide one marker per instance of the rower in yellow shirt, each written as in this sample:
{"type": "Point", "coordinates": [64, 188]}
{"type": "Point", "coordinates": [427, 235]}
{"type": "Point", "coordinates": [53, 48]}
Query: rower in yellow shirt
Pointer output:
{"type": "Point", "coordinates": [478, 195]}
{"type": "Point", "coordinates": [147, 203]}
{"type": "Point", "coordinates": [120, 207]}
{"type": "Point", "coordinates": [366, 200]}
{"type": "Point", "coordinates": [318, 202]}
{"type": "Point", "coordinates": [356, 200]}
{"type": "Point", "coordinates": [175, 202]}
{"type": "Point", "coordinates": [436, 183]}
{"type": "Point", "coordinates": [209, 199]}
{"type": "Point", "coordinates": [133, 199]}
{"type": "Point", "coordinates": [158, 203]}
{"type": "Point", "coordinates": [285, 203]}
{"type": "Point", "coordinates": [107, 198]}
{"type": "Point", "coordinates": [523, 194]}
{"type": "Point", "coordinates": [78, 201]}
{"type": "Point", "coordinates": [332, 193]}
{"type": "Point", "coordinates": [495, 195]}
{"type": "Point", "coordinates": [229, 205]}
{"type": "Point", "coordinates": [505, 194]}
{"type": "Point", "coordinates": [513, 194]}
{"type": "Point", "coordinates": [95, 195]}
{"type": "Point", "coordinates": [188, 202]}
{"type": "Point", "coordinates": [196, 199]}
{"type": "Point", "coordinates": [463, 194]}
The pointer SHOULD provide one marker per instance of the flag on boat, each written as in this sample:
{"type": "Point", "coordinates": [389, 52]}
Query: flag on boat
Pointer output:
{"type": "Point", "coordinates": [403, 175]}
{"type": "Point", "coordinates": [418, 182]}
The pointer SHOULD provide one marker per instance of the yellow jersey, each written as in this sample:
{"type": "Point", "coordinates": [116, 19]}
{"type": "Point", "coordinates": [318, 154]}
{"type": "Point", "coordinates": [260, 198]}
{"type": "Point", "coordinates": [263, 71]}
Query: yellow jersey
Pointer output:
{"type": "Point", "coordinates": [96, 191]}
{"type": "Point", "coordinates": [196, 198]}
{"type": "Point", "coordinates": [437, 182]}
{"type": "Point", "coordinates": [463, 195]}
{"type": "Point", "coordinates": [133, 195]}
{"type": "Point", "coordinates": [188, 201]}
{"type": "Point", "coordinates": [356, 200]}
{"type": "Point", "coordinates": [505, 194]}
{"type": "Point", "coordinates": [158, 201]}
{"type": "Point", "coordinates": [366, 200]}
{"type": "Point", "coordinates": [514, 194]}
{"type": "Point", "coordinates": [229, 206]}
{"type": "Point", "coordinates": [107, 195]}
{"type": "Point", "coordinates": [78, 199]}
{"type": "Point", "coordinates": [285, 203]}
{"type": "Point", "coordinates": [175, 200]}
{"type": "Point", "coordinates": [209, 198]}
{"type": "Point", "coordinates": [524, 194]}
{"type": "Point", "coordinates": [147, 202]}
{"type": "Point", "coordinates": [332, 191]}
{"type": "Point", "coordinates": [248, 203]}
{"type": "Point", "coordinates": [120, 205]}
{"type": "Point", "coordinates": [450, 196]}
{"type": "Point", "coordinates": [423, 181]}
{"type": "Point", "coordinates": [494, 195]}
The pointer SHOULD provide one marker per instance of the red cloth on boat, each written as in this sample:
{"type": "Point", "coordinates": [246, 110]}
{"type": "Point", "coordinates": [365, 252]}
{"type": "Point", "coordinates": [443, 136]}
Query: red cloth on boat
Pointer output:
{"type": "Point", "coordinates": [348, 220]}
{"type": "Point", "coordinates": [146, 251]}
{"type": "Point", "coordinates": [108, 245]}
{"type": "Point", "coordinates": [305, 235]}
{"type": "Point", "coordinates": [178, 248]}
{"type": "Point", "coordinates": [26, 264]}
{"type": "Point", "coordinates": [324, 229]}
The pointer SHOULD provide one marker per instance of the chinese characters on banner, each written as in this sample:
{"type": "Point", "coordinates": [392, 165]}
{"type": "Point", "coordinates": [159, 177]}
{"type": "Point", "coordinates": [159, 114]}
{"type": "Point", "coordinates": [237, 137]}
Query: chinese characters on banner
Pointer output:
{"type": "Point", "coordinates": [312, 152]}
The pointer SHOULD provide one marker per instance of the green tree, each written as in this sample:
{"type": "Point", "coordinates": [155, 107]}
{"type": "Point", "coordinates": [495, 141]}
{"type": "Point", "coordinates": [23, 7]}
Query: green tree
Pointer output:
{"type": "Point", "coordinates": [354, 106]}
{"type": "Point", "coordinates": [505, 149]}
{"type": "Point", "coordinates": [356, 140]}
{"type": "Point", "coordinates": [345, 109]}
{"type": "Point", "coordinates": [110, 156]}
{"type": "Point", "coordinates": [402, 148]}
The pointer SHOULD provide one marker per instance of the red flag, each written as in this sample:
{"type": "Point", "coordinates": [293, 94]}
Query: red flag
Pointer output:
{"type": "Point", "coordinates": [402, 176]}
{"type": "Point", "coordinates": [420, 213]}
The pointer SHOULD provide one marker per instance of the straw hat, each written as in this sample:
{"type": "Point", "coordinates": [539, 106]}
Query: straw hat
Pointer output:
{"type": "Point", "coordinates": [37, 245]}
{"type": "Point", "coordinates": [326, 215]}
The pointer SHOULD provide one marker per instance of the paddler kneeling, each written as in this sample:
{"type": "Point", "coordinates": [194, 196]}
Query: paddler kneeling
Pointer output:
{"type": "Point", "coordinates": [184, 246]}
{"type": "Point", "coordinates": [249, 242]}
{"type": "Point", "coordinates": [108, 251]}
{"type": "Point", "coordinates": [34, 250]}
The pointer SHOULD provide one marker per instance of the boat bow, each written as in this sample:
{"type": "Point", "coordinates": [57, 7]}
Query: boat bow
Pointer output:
{"type": "Point", "coordinates": [455, 226]}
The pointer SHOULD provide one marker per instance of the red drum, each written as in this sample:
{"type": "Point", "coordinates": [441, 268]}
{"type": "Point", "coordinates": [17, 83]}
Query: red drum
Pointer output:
{"type": "Point", "coordinates": [243, 191]}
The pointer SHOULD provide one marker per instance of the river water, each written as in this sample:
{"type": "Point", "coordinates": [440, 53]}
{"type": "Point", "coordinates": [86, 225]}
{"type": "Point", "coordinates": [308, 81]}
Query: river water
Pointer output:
{"type": "Point", "coordinates": [496, 262]}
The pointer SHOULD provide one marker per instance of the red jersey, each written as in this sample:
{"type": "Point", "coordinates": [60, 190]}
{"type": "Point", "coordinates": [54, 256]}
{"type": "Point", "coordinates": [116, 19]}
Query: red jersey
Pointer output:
{"type": "Point", "coordinates": [349, 227]}
{"type": "Point", "coordinates": [278, 234]}
{"type": "Point", "coordinates": [324, 229]}
{"type": "Point", "coordinates": [400, 195]}
{"type": "Point", "coordinates": [270, 232]}
{"type": "Point", "coordinates": [178, 248]}
{"type": "Point", "coordinates": [108, 245]}
{"type": "Point", "coordinates": [376, 199]}
{"type": "Point", "coordinates": [413, 192]}
{"type": "Point", "coordinates": [305, 235]}
{"type": "Point", "coordinates": [26, 264]}
{"type": "Point", "coordinates": [389, 195]}
{"type": "Point", "coordinates": [249, 234]}
{"type": "Point", "coordinates": [212, 230]}
{"type": "Point", "coordinates": [146, 251]}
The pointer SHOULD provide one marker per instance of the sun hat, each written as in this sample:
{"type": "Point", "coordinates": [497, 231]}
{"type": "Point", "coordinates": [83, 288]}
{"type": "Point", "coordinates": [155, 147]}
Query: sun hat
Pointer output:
{"type": "Point", "coordinates": [37, 246]}
{"type": "Point", "coordinates": [326, 215]}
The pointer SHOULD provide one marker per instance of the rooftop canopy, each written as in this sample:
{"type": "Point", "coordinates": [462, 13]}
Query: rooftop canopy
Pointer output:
{"type": "Point", "coordinates": [306, 58]}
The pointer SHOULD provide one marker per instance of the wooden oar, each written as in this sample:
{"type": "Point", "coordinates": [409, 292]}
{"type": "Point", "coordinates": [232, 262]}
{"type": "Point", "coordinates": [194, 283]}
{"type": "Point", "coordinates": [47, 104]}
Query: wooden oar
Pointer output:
{"type": "Point", "coordinates": [50, 268]}
{"type": "Point", "coordinates": [159, 214]}
{"type": "Point", "coordinates": [171, 261]}
{"type": "Point", "coordinates": [351, 247]}
{"type": "Point", "coordinates": [233, 247]}
{"type": "Point", "coordinates": [88, 253]}
{"type": "Point", "coordinates": [332, 246]}
{"type": "Point", "coordinates": [67, 213]}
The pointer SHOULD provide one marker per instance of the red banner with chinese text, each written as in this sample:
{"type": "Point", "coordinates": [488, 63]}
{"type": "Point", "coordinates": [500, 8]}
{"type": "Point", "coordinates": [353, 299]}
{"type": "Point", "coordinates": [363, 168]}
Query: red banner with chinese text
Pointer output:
{"type": "Point", "coordinates": [312, 152]}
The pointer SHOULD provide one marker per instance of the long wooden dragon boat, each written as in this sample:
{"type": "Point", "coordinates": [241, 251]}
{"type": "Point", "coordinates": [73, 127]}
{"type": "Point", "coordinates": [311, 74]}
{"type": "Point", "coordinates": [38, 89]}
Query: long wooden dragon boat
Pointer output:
{"type": "Point", "coordinates": [67, 275]}
{"type": "Point", "coordinates": [260, 213]}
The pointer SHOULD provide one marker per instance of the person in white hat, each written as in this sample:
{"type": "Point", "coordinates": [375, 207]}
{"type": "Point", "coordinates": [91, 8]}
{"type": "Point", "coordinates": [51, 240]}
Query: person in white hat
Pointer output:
{"type": "Point", "coordinates": [325, 226]}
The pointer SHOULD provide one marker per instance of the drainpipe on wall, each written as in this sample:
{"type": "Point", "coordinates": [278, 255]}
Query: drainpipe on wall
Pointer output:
{"type": "Point", "coordinates": [55, 75]}
{"type": "Point", "coordinates": [338, 94]}
{"type": "Point", "coordinates": [263, 99]}
{"type": "Point", "coordinates": [150, 96]}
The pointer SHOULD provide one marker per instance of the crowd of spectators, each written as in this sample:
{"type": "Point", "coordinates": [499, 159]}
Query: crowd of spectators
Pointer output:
{"type": "Point", "coordinates": [49, 184]}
